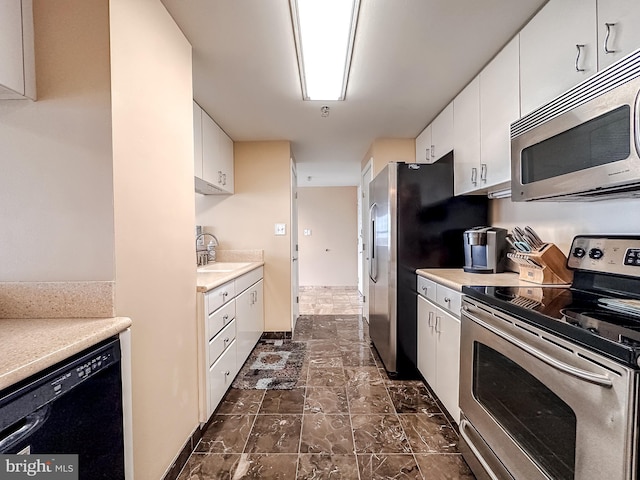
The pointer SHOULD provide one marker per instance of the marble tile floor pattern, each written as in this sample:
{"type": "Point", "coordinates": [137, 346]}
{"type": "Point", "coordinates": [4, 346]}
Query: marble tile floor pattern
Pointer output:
{"type": "Point", "coordinates": [345, 420]}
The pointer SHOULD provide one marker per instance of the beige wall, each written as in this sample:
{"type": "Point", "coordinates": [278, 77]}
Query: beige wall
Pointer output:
{"type": "Point", "coordinates": [246, 220]}
{"type": "Point", "coordinates": [559, 222]}
{"type": "Point", "coordinates": [385, 150]}
{"type": "Point", "coordinates": [329, 256]}
{"type": "Point", "coordinates": [56, 200]}
{"type": "Point", "coordinates": [154, 219]}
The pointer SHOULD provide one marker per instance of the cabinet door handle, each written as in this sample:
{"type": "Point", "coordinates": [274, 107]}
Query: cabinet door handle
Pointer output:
{"type": "Point", "coordinates": [606, 38]}
{"type": "Point", "coordinates": [224, 179]}
{"type": "Point", "coordinates": [430, 322]}
{"type": "Point", "coordinates": [437, 324]}
{"type": "Point", "coordinates": [474, 176]}
{"type": "Point", "coordinates": [579, 47]}
{"type": "Point", "coordinates": [219, 176]}
{"type": "Point", "coordinates": [433, 152]}
{"type": "Point", "coordinates": [427, 155]}
{"type": "Point", "coordinates": [483, 172]}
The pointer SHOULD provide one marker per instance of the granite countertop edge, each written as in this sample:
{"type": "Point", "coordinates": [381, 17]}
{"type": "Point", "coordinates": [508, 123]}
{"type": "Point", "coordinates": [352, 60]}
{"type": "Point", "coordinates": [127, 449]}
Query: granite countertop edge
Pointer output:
{"type": "Point", "coordinates": [456, 278]}
{"type": "Point", "coordinates": [209, 280]}
{"type": "Point", "coordinates": [27, 351]}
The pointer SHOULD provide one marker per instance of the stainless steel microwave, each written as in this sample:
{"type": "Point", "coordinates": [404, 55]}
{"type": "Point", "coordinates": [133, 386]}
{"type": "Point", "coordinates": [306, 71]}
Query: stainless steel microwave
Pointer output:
{"type": "Point", "coordinates": [583, 145]}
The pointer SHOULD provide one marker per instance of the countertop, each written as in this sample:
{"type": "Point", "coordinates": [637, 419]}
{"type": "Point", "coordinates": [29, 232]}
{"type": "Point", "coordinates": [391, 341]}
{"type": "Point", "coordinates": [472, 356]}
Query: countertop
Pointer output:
{"type": "Point", "coordinates": [455, 278]}
{"type": "Point", "coordinates": [208, 280]}
{"type": "Point", "coordinates": [28, 348]}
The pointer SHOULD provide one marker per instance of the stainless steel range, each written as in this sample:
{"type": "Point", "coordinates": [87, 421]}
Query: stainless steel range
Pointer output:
{"type": "Point", "coordinates": [549, 376]}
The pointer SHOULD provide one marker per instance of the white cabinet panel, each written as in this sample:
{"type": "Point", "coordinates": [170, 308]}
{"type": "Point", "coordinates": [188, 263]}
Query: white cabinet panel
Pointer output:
{"type": "Point", "coordinates": [427, 288]}
{"type": "Point", "coordinates": [426, 341]}
{"type": "Point", "coordinates": [499, 107]}
{"type": "Point", "coordinates": [423, 146]}
{"type": "Point", "coordinates": [466, 130]}
{"type": "Point", "coordinates": [217, 156]}
{"type": "Point", "coordinates": [221, 375]}
{"type": "Point", "coordinates": [442, 133]}
{"type": "Point", "coordinates": [447, 330]}
{"type": "Point", "coordinates": [622, 35]}
{"type": "Point", "coordinates": [249, 320]}
{"type": "Point", "coordinates": [549, 52]}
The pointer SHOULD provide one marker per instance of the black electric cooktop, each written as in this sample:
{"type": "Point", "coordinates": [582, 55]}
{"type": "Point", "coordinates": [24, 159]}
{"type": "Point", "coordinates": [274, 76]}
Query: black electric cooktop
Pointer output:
{"type": "Point", "coordinates": [573, 314]}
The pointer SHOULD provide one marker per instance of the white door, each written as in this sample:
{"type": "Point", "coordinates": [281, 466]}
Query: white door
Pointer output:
{"type": "Point", "coordinates": [295, 310]}
{"type": "Point", "coordinates": [363, 237]}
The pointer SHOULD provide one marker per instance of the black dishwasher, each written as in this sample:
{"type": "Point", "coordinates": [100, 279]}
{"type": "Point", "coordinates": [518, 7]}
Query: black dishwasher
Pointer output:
{"type": "Point", "coordinates": [73, 407]}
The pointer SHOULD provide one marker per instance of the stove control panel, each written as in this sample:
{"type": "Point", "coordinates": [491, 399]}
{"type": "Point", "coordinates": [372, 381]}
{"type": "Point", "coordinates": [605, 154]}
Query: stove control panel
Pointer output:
{"type": "Point", "coordinates": [618, 255]}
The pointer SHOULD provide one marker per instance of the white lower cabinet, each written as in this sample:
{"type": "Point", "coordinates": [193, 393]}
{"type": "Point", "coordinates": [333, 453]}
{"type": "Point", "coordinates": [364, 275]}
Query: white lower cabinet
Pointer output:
{"type": "Point", "coordinates": [250, 319]}
{"type": "Point", "coordinates": [220, 376]}
{"type": "Point", "coordinates": [439, 346]}
{"type": "Point", "coordinates": [229, 326]}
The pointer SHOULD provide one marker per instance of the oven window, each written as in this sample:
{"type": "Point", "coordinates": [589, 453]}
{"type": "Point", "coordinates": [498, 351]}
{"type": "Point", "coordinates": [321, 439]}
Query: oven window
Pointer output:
{"type": "Point", "coordinates": [604, 139]}
{"type": "Point", "coordinates": [536, 418]}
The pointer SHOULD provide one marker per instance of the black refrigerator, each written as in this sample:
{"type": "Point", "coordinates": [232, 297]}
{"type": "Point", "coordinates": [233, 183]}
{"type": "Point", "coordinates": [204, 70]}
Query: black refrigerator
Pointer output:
{"type": "Point", "coordinates": [415, 222]}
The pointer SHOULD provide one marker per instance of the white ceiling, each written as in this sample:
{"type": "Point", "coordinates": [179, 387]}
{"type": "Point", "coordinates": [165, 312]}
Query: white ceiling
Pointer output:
{"type": "Point", "coordinates": [411, 57]}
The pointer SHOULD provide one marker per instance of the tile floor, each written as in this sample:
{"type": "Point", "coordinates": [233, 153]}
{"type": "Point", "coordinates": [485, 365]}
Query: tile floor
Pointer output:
{"type": "Point", "coordinates": [345, 420]}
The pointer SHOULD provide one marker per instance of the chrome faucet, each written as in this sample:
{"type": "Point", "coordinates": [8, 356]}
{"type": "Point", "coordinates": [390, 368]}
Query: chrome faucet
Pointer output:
{"type": "Point", "coordinates": [206, 254]}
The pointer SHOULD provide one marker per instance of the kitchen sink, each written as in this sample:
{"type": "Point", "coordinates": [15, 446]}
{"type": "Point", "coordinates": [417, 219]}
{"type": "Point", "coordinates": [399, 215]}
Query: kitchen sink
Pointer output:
{"type": "Point", "coordinates": [222, 267]}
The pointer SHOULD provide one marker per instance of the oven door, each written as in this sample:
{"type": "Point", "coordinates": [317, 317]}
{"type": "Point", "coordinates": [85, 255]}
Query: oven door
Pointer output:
{"type": "Point", "coordinates": [543, 407]}
{"type": "Point", "coordinates": [590, 147]}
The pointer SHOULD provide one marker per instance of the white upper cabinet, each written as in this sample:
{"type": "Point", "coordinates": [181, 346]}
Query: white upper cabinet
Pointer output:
{"type": "Point", "coordinates": [197, 140]}
{"type": "Point", "coordinates": [618, 32]}
{"type": "Point", "coordinates": [17, 58]}
{"type": "Point", "coordinates": [442, 133]}
{"type": "Point", "coordinates": [213, 155]}
{"type": "Point", "coordinates": [436, 140]}
{"type": "Point", "coordinates": [557, 50]}
{"type": "Point", "coordinates": [423, 146]}
{"type": "Point", "coordinates": [466, 131]}
{"type": "Point", "coordinates": [499, 107]}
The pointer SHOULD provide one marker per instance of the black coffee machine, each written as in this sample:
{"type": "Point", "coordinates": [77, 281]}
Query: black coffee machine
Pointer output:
{"type": "Point", "coordinates": [485, 250]}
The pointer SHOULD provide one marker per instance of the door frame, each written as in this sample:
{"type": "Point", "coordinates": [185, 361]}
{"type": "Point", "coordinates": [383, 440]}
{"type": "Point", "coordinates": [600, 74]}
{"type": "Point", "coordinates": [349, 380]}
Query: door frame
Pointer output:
{"type": "Point", "coordinates": [366, 175]}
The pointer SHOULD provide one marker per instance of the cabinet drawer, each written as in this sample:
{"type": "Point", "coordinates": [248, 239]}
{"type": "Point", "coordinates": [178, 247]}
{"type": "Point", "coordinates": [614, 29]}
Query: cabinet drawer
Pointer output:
{"type": "Point", "coordinates": [248, 279]}
{"type": "Point", "coordinates": [221, 341]}
{"type": "Point", "coordinates": [217, 297]}
{"type": "Point", "coordinates": [427, 288]}
{"type": "Point", "coordinates": [448, 299]}
{"type": "Point", "coordinates": [221, 375]}
{"type": "Point", "coordinates": [221, 317]}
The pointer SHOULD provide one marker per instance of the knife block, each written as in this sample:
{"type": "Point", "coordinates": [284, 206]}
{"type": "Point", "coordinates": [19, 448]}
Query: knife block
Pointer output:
{"type": "Point", "coordinates": [544, 266]}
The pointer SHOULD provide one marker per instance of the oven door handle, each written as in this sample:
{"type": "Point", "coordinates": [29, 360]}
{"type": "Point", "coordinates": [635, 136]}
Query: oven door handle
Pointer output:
{"type": "Point", "coordinates": [464, 424]}
{"type": "Point", "coordinates": [595, 378]}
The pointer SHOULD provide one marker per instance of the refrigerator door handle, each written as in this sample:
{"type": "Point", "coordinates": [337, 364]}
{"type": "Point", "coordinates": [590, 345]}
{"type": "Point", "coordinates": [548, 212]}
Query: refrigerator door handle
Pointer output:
{"type": "Point", "coordinates": [373, 260]}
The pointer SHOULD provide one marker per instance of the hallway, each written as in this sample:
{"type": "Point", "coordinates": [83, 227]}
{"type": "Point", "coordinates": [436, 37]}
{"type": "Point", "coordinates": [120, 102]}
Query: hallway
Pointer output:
{"type": "Point", "coordinates": [345, 420]}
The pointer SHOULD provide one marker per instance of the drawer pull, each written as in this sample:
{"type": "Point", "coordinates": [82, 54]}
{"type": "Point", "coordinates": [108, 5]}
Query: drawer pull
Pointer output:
{"type": "Point", "coordinates": [225, 318]}
{"type": "Point", "coordinates": [227, 373]}
{"type": "Point", "coordinates": [226, 340]}
{"type": "Point", "coordinates": [425, 289]}
{"type": "Point", "coordinates": [225, 294]}
{"type": "Point", "coordinates": [447, 299]}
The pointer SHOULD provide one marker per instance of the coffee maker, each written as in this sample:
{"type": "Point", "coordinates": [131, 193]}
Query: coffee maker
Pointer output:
{"type": "Point", "coordinates": [485, 250]}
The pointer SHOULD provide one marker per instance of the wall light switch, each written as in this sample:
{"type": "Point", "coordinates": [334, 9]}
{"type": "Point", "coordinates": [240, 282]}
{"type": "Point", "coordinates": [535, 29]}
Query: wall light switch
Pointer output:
{"type": "Point", "coordinates": [307, 232]}
{"type": "Point", "coordinates": [281, 229]}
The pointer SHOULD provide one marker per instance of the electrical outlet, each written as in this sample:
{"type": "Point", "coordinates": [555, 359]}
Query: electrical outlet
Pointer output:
{"type": "Point", "coordinates": [307, 232]}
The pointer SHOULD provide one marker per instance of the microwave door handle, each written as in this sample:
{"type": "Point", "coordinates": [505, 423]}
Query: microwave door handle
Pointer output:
{"type": "Point", "coordinates": [595, 378]}
{"type": "Point", "coordinates": [373, 260]}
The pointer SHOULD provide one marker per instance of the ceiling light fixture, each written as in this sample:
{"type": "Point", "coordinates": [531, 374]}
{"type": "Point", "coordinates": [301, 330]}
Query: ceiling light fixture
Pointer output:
{"type": "Point", "coordinates": [324, 32]}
